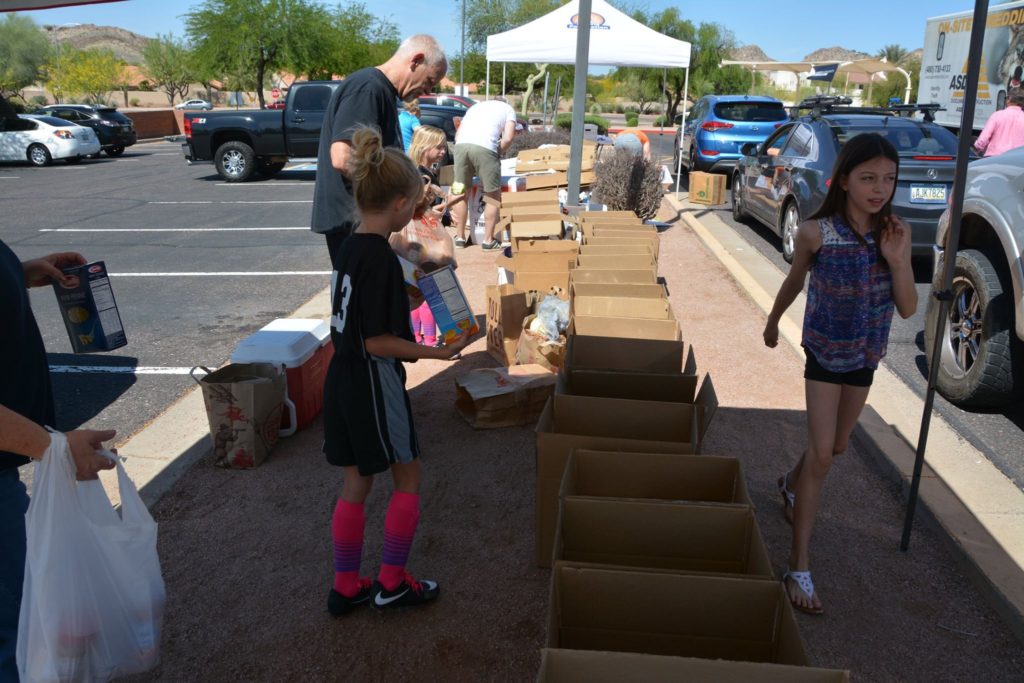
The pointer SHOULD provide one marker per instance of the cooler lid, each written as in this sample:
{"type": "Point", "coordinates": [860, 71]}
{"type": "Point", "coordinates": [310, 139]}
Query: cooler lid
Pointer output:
{"type": "Point", "coordinates": [285, 341]}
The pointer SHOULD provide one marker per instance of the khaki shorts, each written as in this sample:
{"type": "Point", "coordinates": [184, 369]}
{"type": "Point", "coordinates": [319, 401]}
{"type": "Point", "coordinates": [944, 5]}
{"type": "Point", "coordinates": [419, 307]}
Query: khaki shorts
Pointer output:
{"type": "Point", "coordinates": [474, 160]}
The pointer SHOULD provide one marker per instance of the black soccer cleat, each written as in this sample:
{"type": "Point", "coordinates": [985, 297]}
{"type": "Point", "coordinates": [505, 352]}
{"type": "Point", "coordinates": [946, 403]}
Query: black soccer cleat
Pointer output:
{"type": "Point", "coordinates": [408, 593]}
{"type": "Point", "coordinates": [339, 605]}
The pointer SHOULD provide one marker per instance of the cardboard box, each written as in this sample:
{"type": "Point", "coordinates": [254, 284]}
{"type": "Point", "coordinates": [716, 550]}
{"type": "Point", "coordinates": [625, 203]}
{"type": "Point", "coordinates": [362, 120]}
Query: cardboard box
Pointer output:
{"type": "Point", "coordinates": [643, 291]}
{"type": "Point", "coordinates": [582, 666]}
{"type": "Point", "coordinates": [634, 229]}
{"type": "Point", "coordinates": [608, 216]}
{"type": "Point", "coordinates": [538, 271]}
{"type": "Point", "coordinates": [618, 276]}
{"type": "Point", "coordinates": [637, 355]}
{"type": "Point", "coordinates": [630, 328]}
{"type": "Point", "coordinates": [573, 422]}
{"type": "Point", "coordinates": [536, 228]}
{"type": "Point", "coordinates": [635, 249]}
{"type": "Point", "coordinates": [669, 387]}
{"type": "Point", "coordinates": [557, 179]}
{"type": "Point", "coordinates": [711, 617]}
{"type": "Point", "coordinates": [655, 476]}
{"type": "Point", "coordinates": [621, 307]}
{"type": "Point", "coordinates": [507, 306]}
{"type": "Point", "coordinates": [707, 188]}
{"type": "Point", "coordinates": [653, 242]}
{"type": "Point", "coordinates": [89, 311]}
{"type": "Point", "coordinates": [549, 197]}
{"type": "Point", "coordinates": [543, 244]}
{"type": "Point", "coordinates": [661, 535]}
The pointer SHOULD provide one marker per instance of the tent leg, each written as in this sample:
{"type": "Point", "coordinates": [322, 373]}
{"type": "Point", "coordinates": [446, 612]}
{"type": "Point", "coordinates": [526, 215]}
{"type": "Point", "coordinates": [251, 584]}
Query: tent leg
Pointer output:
{"type": "Point", "coordinates": [544, 116]}
{"type": "Point", "coordinates": [503, 65]}
{"type": "Point", "coordinates": [664, 93]}
{"type": "Point", "coordinates": [679, 155]}
{"type": "Point", "coordinates": [487, 87]}
{"type": "Point", "coordinates": [579, 101]}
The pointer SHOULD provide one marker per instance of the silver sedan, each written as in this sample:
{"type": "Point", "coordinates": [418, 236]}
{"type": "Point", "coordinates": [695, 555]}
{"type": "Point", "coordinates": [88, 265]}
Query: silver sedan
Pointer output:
{"type": "Point", "coordinates": [41, 139]}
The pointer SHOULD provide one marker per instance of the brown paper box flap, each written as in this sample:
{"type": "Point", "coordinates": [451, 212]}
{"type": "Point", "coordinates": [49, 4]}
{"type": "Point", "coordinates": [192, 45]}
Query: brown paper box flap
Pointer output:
{"type": "Point", "coordinates": [635, 249]}
{"type": "Point", "coordinates": [543, 282]}
{"type": "Point", "coordinates": [594, 216]}
{"type": "Point", "coordinates": [632, 291]}
{"type": "Point", "coordinates": [536, 197]}
{"type": "Point", "coordinates": [615, 276]}
{"type": "Point", "coordinates": [543, 261]}
{"type": "Point", "coordinates": [537, 228]}
{"type": "Point", "coordinates": [543, 244]}
{"type": "Point", "coordinates": [666, 387]}
{"type": "Point", "coordinates": [621, 307]}
{"type": "Point", "coordinates": [613, 353]}
{"type": "Point", "coordinates": [631, 328]}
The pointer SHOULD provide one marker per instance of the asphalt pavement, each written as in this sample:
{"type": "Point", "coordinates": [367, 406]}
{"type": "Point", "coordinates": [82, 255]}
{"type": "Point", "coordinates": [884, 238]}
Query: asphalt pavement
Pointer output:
{"type": "Point", "coordinates": [999, 435]}
{"type": "Point", "coordinates": [196, 265]}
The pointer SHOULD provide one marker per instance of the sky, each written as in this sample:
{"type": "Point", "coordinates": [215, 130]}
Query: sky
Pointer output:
{"type": "Point", "coordinates": [789, 35]}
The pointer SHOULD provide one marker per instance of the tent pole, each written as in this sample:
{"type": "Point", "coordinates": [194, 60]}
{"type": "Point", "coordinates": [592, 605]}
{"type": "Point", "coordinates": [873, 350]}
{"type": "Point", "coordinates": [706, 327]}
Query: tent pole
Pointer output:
{"type": "Point", "coordinates": [956, 209]}
{"type": "Point", "coordinates": [503, 65]}
{"type": "Point", "coordinates": [579, 100]}
{"type": "Point", "coordinates": [682, 126]}
{"type": "Point", "coordinates": [547, 77]}
{"type": "Point", "coordinates": [664, 92]}
{"type": "Point", "coordinates": [487, 88]}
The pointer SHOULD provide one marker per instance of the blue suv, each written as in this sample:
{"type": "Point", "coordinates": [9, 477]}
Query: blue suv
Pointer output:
{"type": "Point", "coordinates": [719, 125]}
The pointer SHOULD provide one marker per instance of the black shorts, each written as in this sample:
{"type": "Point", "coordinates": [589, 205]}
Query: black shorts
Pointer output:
{"type": "Point", "coordinates": [855, 378]}
{"type": "Point", "coordinates": [367, 415]}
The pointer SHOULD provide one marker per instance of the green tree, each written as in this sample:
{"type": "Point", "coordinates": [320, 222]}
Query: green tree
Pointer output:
{"type": "Point", "coordinates": [895, 84]}
{"type": "Point", "coordinates": [894, 54]}
{"type": "Point", "coordinates": [364, 39]}
{"type": "Point", "coordinates": [167, 62]}
{"type": "Point", "coordinates": [90, 74]}
{"type": "Point", "coordinates": [24, 51]}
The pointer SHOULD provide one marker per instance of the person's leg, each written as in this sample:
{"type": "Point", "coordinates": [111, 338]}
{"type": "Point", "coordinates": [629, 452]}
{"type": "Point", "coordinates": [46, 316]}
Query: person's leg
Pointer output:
{"type": "Point", "coordinates": [488, 167]}
{"type": "Point", "coordinates": [428, 324]}
{"type": "Point", "coordinates": [822, 410]}
{"type": "Point", "coordinates": [13, 504]}
{"type": "Point", "coordinates": [417, 324]}
{"type": "Point", "coordinates": [347, 525]}
{"type": "Point", "coordinates": [400, 524]}
{"type": "Point", "coordinates": [461, 182]}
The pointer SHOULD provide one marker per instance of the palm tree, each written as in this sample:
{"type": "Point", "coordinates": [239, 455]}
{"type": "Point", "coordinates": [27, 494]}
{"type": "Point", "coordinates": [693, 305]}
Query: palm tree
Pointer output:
{"type": "Point", "coordinates": [894, 54]}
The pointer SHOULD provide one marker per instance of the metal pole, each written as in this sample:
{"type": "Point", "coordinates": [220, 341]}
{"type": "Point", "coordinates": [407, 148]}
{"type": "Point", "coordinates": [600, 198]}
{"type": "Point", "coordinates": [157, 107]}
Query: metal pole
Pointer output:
{"type": "Point", "coordinates": [503, 65]}
{"type": "Point", "coordinates": [579, 98]}
{"type": "Point", "coordinates": [664, 91]}
{"type": "Point", "coordinates": [544, 116]}
{"type": "Point", "coordinates": [956, 210]}
{"type": "Point", "coordinates": [462, 53]}
{"type": "Point", "coordinates": [487, 86]}
{"type": "Point", "coordinates": [557, 98]}
{"type": "Point", "coordinates": [682, 128]}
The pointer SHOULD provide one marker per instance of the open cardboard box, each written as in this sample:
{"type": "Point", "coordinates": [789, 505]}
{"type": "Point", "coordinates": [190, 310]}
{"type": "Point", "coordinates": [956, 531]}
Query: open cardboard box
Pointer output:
{"type": "Point", "coordinates": [549, 197]}
{"type": "Point", "coordinates": [643, 291]}
{"type": "Point", "coordinates": [544, 227]}
{"type": "Point", "coordinates": [557, 179]}
{"type": "Point", "coordinates": [652, 242]}
{"type": "Point", "coordinates": [593, 229]}
{"type": "Point", "coordinates": [635, 249]}
{"type": "Point", "coordinates": [686, 615]}
{"type": "Point", "coordinates": [637, 355]}
{"type": "Point", "coordinates": [507, 307]}
{"type": "Point", "coordinates": [621, 307]}
{"type": "Point", "coordinates": [669, 387]}
{"type": "Point", "coordinates": [661, 535]}
{"type": "Point", "coordinates": [575, 422]}
{"type": "Point", "coordinates": [630, 328]}
{"type": "Point", "coordinates": [583, 666]}
{"type": "Point", "coordinates": [544, 244]}
{"type": "Point", "coordinates": [655, 476]}
{"type": "Point", "coordinates": [601, 216]}
{"type": "Point", "coordinates": [618, 276]}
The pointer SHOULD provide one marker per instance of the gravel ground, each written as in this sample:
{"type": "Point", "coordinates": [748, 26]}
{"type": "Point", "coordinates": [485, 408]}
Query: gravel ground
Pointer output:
{"type": "Point", "coordinates": [247, 554]}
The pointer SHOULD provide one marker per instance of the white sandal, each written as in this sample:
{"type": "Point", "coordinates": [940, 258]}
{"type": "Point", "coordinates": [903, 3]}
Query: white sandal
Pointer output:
{"type": "Point", "coordinates": [804, 583]}
{"type": "Point", "coordinates": [788, 497]}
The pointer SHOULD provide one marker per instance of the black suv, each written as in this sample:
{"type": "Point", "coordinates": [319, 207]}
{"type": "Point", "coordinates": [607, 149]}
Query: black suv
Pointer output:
{"type": "Point", "coordinates": [115, 130]}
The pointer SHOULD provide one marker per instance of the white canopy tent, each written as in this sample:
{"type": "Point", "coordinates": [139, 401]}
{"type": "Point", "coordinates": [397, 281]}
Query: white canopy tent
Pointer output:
{"type": "Point", "coordinates": [24, 5]}
{"type": "Point", "coordinates": [615, 39]}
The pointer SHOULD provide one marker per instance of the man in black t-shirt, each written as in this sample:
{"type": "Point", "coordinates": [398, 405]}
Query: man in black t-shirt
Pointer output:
{"type": "Point", "coordinates": [26, 406]}
{"type": "Point", "coordinates": [367, 97]}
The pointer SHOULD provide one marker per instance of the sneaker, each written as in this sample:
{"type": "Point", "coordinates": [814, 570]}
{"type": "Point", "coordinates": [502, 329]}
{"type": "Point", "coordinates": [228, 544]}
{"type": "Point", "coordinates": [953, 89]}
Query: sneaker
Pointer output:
{"type": "Point", "coordinates": [493, 245]}
{"type": "Point", "coordinates": [460, 243]}
{"type": "Point", "coordinates": [338, 604]}
{"type": "Point", "coordinates": [409, 592]}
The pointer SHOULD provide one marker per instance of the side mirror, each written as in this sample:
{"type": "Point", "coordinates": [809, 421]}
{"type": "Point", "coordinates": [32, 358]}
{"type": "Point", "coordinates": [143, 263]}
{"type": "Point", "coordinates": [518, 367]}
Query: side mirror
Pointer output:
{"type": "Point", "coordinates": [749, 149]}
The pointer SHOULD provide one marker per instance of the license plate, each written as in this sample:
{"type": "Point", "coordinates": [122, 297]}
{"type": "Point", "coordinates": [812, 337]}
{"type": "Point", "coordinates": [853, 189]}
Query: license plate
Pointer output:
{"type": "Point", "coordinates": [928, 194]}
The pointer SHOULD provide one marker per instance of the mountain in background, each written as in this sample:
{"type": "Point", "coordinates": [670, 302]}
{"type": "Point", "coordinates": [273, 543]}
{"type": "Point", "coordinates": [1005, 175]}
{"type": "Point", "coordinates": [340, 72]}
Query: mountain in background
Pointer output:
{"type": "Point", "coordinates": [749, 53]}
{"type": "Point", "coordinates": [835, 54]}
{"type": "Point", "coordinates": [125, 44]}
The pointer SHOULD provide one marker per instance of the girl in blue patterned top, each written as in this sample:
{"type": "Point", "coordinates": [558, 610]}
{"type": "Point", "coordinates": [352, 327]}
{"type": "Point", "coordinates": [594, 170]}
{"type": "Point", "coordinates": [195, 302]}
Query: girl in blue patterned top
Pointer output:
{"type": "Point", "coordinates": [858, 255]}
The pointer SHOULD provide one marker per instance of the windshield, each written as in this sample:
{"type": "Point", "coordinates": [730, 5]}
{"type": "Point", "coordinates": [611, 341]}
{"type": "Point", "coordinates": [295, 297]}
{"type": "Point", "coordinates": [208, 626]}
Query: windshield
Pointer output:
{"type": "Point", "coordinates": [750, 111]}
{"type": "Point", "coordinates": [910, 138]}
{"type": "Point", "coordinates": [54, 121]}
{"type": "Point", "coordinates": [113, 115]}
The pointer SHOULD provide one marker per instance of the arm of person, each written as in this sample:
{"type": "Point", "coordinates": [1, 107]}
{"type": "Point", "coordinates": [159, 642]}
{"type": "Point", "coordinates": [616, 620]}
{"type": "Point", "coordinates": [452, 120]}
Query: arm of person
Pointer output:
{"type": "Point", "coordinates": [895, 248]}
{"type": "Point", "coordinates": [808, 242]}
{"type": "Point", "coordinates": [507, 133]}
{"type": "Point", "coordinates": [390, 346]}
{"type": "Point", "coordinates": [41, 272]}
{"type": "Point", "coordinates": [20, 435]}
{"type": "Point", "coordinates": [341, 152]}
{"type": "Point", "coordinates": [986, 135]}
{"type": "Point", "coordinates": [647, 150]}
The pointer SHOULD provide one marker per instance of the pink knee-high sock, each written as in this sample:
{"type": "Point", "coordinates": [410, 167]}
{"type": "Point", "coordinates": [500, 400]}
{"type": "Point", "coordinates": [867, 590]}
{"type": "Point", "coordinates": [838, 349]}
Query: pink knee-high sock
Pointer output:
{"type": "Point", "coordinates": [347, 530]}
{"type": "Point", "coordinates": [399, 530]}
{"type": "Point", "coordinates": [416, 318]}
{"type": "Point", "coordinates": [428, 324]}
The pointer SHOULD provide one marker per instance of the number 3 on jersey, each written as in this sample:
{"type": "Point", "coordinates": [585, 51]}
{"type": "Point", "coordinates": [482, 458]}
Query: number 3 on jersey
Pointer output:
{"type": "Point", "coordinates": [341, 312]}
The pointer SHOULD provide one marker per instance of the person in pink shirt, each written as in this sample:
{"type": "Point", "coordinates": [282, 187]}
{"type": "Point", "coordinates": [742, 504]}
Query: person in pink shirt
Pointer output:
{"type": "Point", "coordinates": [1005, 129]}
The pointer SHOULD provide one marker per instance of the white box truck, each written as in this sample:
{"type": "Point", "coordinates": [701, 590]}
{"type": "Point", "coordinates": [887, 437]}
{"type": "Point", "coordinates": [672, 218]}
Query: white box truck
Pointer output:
{"type": "Point", "coordinates": [944, 63]}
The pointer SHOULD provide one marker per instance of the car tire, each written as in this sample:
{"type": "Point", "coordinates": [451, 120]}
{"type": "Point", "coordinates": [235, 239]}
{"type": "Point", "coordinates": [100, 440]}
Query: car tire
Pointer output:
{"type": "Point", "coordinates": [71, 161]}
{"type": "Point", "coordinates": [789, 223]}
{"type": "Point", "coordinates": [38, 155]}
{"type": "Point", "coordinates": [269, 169]}
{"type": "Point", "coordinates": [694, 161]}
{"type": "Point", "coordinates": [235, 161]}
{"type": "Point", "coordinates": [115, 151]}
{"type": "Point", "coordinates": [739, 211]}
{"type": "Point", "coordinates": [976, 355]}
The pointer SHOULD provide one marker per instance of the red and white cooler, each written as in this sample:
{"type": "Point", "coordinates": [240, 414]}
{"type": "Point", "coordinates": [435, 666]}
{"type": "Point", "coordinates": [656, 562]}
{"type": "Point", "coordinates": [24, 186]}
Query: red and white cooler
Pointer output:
{"type": "Point", "coordinates": [303, 346]}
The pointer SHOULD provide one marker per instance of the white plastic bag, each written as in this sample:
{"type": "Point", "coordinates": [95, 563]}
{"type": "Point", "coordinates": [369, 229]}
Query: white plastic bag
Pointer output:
{"type": "Point", "coordinates": [93, 597]}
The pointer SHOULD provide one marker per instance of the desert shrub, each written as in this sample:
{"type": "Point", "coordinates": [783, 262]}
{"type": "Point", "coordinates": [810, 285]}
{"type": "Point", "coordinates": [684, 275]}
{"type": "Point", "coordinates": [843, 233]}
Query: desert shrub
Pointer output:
{"type": "Point", "coordinates": [534, 140]}
{"type": "Point", "coordinates": [626, 182]}
{"type": "Point", "coordinates": [632, 119]}
{"type": "Point", "coordinates": [39, 100]}
{"type": "Point", "coordinates": [619, 109]}
{"type": "Point", "coordinates": [595, 108]}
{"type": "Point", "coordinates": [134, 102]}
{"type": "Point", "coordinates": [565, 121]}
{"type": "Point", "coordinates": [633, 109]}
{"type": "Point", "coordinates": [660, 121]}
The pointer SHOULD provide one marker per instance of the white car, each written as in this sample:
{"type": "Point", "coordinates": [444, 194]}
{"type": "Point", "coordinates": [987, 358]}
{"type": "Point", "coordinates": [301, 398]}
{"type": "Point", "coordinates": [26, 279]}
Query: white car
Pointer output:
{"type": "Point", "coordinates": [41, 139]}
{"type": "Point", "coordinates": [194, 104]}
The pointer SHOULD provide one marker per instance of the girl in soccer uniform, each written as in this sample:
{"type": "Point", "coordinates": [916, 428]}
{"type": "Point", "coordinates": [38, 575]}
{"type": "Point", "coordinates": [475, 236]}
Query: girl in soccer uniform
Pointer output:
{"type": "Point", "coordinates": [858, 255]}
{"type": "Point", "coordinates": [368, 427]}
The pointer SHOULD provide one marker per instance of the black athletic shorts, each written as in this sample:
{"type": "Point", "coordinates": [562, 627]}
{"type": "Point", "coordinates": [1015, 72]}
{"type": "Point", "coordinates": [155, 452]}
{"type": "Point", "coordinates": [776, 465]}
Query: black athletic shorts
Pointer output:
{"type": "Point", "coordinates": [367, 415]}
{"type": "Point", "coordinates": [855, 378]}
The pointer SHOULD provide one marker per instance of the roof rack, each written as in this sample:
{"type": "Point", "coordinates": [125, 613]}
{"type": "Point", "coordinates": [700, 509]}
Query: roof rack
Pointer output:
{"type": "Point", "coordinates": [822, 104]}
{"type": "Point", "coordinates": [928, 110]}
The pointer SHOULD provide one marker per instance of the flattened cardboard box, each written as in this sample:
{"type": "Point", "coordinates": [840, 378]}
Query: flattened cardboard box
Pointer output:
{"type": "Point", "coordinates": [630, 328]}
{"type": "Point", "coordinates": [557, 179]}
{"type": "Point", "coordinates": [606, 424]}
{"type": "Point", "coordinates": [507, 306]}
{"type": "Point", "coordinates": [583, 666]}
{"type": "Point", "coordinates": [655, 476]}
{"type": "Point", "coordinates": [612, 353]}
{"type": "Point", "coordinates": [661, 535]}
{"type": "Point", "coordinates": [621, 307]}
{"type": "Point", "coordinates": [710, 617]}
{"type": "Point", "coordinates": [638, 276]}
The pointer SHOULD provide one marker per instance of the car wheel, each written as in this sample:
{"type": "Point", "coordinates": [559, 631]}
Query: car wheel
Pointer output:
{"type": "Point", "coordinates": [38, 155]}
{"type": "Point", "coordinates": [235, 161]}
{"type": "Point", "coordinates": [71, 161]}
{"type": "Point", "coordinates": [739, 207]}
{"type": "Point", "coordinates": [976, 353]}
{"type": "Point", "coordinates": [788, 230]}
{"type": "Point", "coordinates": [694, 160]}
{"type": "Point", "coordinates": [269, 169]}
{"type": "Point", "coordinates": [115, 151]}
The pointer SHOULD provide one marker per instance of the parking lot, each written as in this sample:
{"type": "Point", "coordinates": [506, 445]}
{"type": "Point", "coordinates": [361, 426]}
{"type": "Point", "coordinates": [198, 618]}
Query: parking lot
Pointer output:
{"type": "Point", "coordinates": [196, 265]}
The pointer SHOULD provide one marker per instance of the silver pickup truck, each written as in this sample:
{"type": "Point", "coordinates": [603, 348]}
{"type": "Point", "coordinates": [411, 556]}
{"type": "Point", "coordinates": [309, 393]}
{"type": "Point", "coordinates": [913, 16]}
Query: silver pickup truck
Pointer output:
{"type": "Point", "coordinates": [982, 346]}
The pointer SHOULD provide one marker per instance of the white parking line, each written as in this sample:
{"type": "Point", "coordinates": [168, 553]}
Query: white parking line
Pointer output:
{"type": "Point", "coordinates": [268, 201]}
{"type": "Point", "coordinates": [164, 154]}
{"type": "Point", "coordinates": [304, 227]}
{"type": "Point", "coordinates": [262, 185]}
{"type": "Point", "coordinates": [119, 370]}
{"type": "Point", "coordinates": [236, 273]}
{"type": "Point", "coordinates": [9, 177]}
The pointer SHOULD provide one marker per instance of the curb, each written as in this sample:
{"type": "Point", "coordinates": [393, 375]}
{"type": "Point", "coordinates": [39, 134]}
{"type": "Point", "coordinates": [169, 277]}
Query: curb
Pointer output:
{"type": "Point", "coordinates": [978, 554]}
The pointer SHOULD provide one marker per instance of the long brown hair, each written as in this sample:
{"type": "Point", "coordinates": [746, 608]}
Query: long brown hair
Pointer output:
{"type": "Point", "coordinates": [858, 150]}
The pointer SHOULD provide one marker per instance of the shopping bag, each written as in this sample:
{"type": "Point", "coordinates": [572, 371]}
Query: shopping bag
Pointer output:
{"type": "Point", "coordinates": [244, 404]}
{"type": "Point", "coordinates": [503, 397]}
{"type": "Point", "coordinates": [534, 347]}
{"type": "Point", "coordinates": [93, 599]}
{"type": "Point", "coordinates": [425, 243]}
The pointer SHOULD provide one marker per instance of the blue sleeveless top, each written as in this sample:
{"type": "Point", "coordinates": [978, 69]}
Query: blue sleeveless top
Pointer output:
{"type": "Point", "coordinates": [849, 301]}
